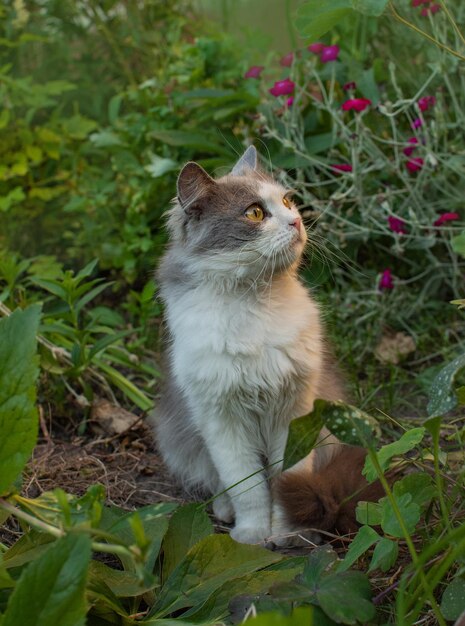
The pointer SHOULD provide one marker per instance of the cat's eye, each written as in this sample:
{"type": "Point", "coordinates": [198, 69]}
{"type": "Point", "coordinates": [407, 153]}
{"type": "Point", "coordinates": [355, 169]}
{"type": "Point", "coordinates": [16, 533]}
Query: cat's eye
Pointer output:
{"type": "Point", "coordinates": [287, 202]}
{"type": "Point", "coordinates": [255, 213]}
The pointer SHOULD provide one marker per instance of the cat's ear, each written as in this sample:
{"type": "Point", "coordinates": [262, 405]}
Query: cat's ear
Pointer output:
{"type": "Point", "coordinates": [193, 182]}
{"type": "Point", "coordinates": [248, 161]}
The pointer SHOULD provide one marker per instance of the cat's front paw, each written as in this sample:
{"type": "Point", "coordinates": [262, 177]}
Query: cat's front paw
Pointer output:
{"type": "Point", "coordinates": [250, 534]}
{"type": "Point", "coordinates": [223, 509]}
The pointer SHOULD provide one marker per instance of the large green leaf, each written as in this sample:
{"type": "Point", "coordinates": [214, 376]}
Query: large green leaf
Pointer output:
{"type": "Point", "coordinates": [188, 525]}
{"type": "Point", "coordinates": [458, 244]}
{"type": "Point", "coordinates": [51, 589]}
{"type": "Point", "coordinates": [206, 567]}
{"type": "Point", "coordinates": [442, 395]}
{"type": "Point", "coordinates": [317, 17]}
{"type": "Point", "coordinates": [407, 442]}
{"type": "Point", "coordinates": [18, 373]}
{"type": "Point", "coordinates": [303, 433]}
{"type": "Point", "coordinates": [346, 597]}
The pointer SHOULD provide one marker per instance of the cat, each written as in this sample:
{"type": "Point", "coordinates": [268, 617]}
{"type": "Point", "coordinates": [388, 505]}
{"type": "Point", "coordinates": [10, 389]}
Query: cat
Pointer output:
{"type": "Point", "coordinates": [326, 499]}
{"type": "Point", "coordinates": [246, 352]}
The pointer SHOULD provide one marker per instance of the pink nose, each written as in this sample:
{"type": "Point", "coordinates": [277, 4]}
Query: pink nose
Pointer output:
{"type": "Point", "coordinates": [296, 223]}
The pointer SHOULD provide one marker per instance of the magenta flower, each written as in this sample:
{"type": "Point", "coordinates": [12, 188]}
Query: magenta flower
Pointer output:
{"type": "Point", "coordinates": [254, 71]}
{"type": "Point", "coordinates": [342, 167]}
{"type": "Point", "coordinates": [287, 60]}
{"type": "Point", "coordinates": [415, 164]}
{"type": "Point", "coordinates": [426, 102]}
{"type": "Point", "coordinates": [290, 101]}
{"type": "Point", "coordinates": [408, 150]}
{"type": "Point", "coordinates": [417, 123]}
{"type": "Point", "coordinates": [356, 104]}
{"type": "Point", "coordinates": [316, 48]}
{"type": "Point", "coordinates": [329, 53]}
{"type": "Point", "coordinates": [397, 225]}
{"type": "Point", "coordinates": [446, 217]}
{"type": "Point", "coordinates": [282, 88]}
{"type": "Point", "coordinates": [348, 86]}
{"type": "Point", "coordinates": [386, 281]}
{"type": "Point", "coordinates": [434, 8]}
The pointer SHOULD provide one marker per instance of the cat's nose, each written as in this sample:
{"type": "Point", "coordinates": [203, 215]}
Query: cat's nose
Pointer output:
{"type": "Point", "coordinates": [296, 223]}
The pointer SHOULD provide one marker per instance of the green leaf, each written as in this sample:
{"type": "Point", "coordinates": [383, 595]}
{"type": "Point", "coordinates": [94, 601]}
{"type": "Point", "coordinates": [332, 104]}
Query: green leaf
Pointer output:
{"type": "Point", "coordinates": [321, 560]}
{"type": "Point", "coordinates": [154, 524]}
{"type": "Point", "coordinates": [13, 197]}
{"type": "Point", "coordinates": [419, 485]}
{"type": "Point", "coordinates": [458, 244]}
{"type": "Point", "coordinates": [349, 424]}
{"type": "Point", "coordinates": [216, 606]}
{"type": "Point", "coordinates": [51, 589]}
{"type": "Point", "coordinates": [18, 373]}
{"type": "Point", "coordinates": [453, 599]}
{"type": "Point", "coordinates": [407, 442]}
{"type": "Point", "coordinates": [365, 538]}
{"type": "Point", "coordinates": [384, 555]}
{"type": "Point", "coordinates": [442, 395]}
{"type": "Point", "coordinates": [373, 8]}
{"type": "Point", "coordinates": [6, 582]}
{"type": "Point", "coordinates": [301, 438]}
{"type": "Point", "coordinates": [187, 526]}
{"type": "Point", "coordinates": [409, 510]}
{"type": "Point", "coordinates": [121, 583]}
{"type": "Point", "coordinates": [316, 17]}
{"type": "Point", "coordinates": [208, 565]}
{"type": "Point", "coordinates": [369, 513]}
{"type": "Point", "coordinates": [346, 597]}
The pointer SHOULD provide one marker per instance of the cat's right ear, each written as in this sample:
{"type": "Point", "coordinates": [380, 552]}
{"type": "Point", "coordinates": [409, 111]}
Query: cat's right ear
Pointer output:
{"type": "Point", "coordinates": [193, 182]}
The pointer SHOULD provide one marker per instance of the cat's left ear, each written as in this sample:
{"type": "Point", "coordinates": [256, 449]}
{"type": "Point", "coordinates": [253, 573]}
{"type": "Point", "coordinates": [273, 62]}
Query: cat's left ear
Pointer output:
{"type": "Point", "coordinates": [248, 161]}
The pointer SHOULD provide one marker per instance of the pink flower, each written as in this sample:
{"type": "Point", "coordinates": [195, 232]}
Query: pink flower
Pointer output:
{"type": "Point", "coordinates": [426, 102]}
{"type": "Point", "coordinates": [329, 53]}
{"type": "Point", "coordinates": [386, 281]}
{"type": "Point", "coordinates": [397, 225]}
{"type": "Point", "coordinates": [316, 48]}
{"type": "Point", "coordinates": [408, 150]}
{"type": "Point", "coordinates": [287, 60]}
{"type": "Point", "coordinates": [417, 123]}
{"type": "Point", "coordinates": [290, 101]}
{"type": "Point", "coordinates": [356, 104]}
{"type": "Point", "coordinates": [282, 88]}
{"type": "Point", "coordinates": [446, 217]}
{"type": "Point", "coordinates": [350, 85]}
{"type": "Point", "coordinates": [434, 8]}
{"type": "Point", "coordinates": [342, 167]}
{"type": "Point", "coordinates": [415, 164]}
{"type": "Point", "coordinates": [254, 71]}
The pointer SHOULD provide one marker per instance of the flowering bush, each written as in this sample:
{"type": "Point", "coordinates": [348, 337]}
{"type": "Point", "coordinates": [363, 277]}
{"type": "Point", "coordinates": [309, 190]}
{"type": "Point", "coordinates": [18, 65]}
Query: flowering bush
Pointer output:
{"type": "Point", "coordinates": [378, 195]}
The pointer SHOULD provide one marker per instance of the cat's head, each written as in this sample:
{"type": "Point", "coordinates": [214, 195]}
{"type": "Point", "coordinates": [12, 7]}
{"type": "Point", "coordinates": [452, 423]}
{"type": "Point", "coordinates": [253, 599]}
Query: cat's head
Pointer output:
{"type": "Point", "coordinates": [244, 222]}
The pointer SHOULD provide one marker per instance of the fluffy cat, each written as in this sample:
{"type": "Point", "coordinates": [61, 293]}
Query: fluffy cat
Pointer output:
{"type": "Point", "coordinates": [246, 353]}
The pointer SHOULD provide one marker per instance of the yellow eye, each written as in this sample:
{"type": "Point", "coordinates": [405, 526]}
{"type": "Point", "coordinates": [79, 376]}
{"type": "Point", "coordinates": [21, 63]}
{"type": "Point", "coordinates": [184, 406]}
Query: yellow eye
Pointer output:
{"type": "Point", "coordinates": [287, 202]}
{"type": "Point", "coordinates": [255, 213]}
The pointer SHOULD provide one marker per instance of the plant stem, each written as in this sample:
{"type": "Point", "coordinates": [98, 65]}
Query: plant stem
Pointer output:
{"type": "Point", "coordinates": [407, 537]}
{"type": "Point", "coordinates": [421, 32]}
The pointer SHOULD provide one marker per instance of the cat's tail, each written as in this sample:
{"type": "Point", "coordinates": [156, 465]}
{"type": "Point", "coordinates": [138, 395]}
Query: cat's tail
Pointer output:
{"type": "Point", "coordinates": [325, 499]}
